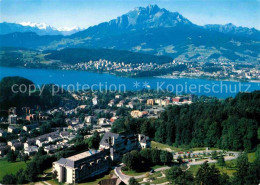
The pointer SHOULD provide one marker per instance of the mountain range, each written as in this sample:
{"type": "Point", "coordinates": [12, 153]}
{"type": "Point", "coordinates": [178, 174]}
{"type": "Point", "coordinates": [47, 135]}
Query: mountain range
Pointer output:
{"type": "Point", "coordinates": [151, 30]}
{"type": "Point", "coordinates": [38, 28]}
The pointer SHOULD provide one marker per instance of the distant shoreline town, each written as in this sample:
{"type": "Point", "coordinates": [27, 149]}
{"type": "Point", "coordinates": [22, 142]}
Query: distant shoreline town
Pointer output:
{"type": "Point", "coordinates": [237, 72]}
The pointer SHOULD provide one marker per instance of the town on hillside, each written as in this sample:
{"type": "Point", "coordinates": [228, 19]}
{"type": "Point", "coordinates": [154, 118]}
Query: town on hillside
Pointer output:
{"type": "Point", "coordinates": [92, 136]}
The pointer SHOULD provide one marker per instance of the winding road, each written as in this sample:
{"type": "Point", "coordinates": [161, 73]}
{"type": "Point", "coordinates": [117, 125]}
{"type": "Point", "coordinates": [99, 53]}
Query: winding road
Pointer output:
{"type": "Point", "coordinates": [125, 178]}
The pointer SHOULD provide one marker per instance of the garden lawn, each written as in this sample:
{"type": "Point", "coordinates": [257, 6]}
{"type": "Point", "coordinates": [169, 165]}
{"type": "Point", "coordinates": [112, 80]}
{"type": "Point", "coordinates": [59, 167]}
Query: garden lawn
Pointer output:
{"type": "Point", "coordinates": [8, 167]}
{"type": "Point", "coordinates": [251, 157]}
{"type": "Point", "coordinates": [177, 149]}
{"type": "Point", "coordinates": [133, 173]}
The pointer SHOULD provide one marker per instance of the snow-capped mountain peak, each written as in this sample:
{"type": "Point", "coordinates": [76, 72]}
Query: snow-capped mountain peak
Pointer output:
{"type": "Point", "coordinates": [66, 28]}
{"type": "Point", "coordinates": [42, 26]}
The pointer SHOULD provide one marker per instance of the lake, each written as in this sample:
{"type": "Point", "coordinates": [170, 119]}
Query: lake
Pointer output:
{"type": "Point", "coordinates": [82, 79]}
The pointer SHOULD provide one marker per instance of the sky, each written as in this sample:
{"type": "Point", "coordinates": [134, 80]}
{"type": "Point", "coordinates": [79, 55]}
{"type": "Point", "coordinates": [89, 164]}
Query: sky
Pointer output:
{"type": "Point", "coordinates": [85, 13]}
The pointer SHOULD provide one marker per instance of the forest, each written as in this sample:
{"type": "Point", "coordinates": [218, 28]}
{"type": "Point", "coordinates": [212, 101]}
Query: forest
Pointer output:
{"type": "Point", "coordinates": [23, 95]}
{"type": "Point", "coordinates": [232, 124]}
{"type": "Point", "coordinates": [77, 55]}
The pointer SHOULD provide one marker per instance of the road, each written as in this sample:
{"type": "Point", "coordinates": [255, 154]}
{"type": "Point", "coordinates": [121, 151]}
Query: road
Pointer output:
{"type": "Point", "coordinates": [125, 178]}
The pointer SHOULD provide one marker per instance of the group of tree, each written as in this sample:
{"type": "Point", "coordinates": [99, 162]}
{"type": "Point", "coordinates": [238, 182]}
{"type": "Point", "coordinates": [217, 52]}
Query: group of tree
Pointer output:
{"type": "Point", "coordinates": [133, 181]}
{"type": "Point", "coordinates": [94, 140]}
{"type": "Point", "coordinates": [75, 55]}
{"type": "Point", "coordinates": [146, 158]}
{"type": "Point", "coordinates": [231, 124]}
{"type": "Point", "coordinates": [247, 173]}
{"type": "Point", "coordinates": [206, 175]}
{"type": "Point", "coordinates": [19, 92]}
{"type": "Point", "coordinates": [11, 156]}
{"type": "Point", "coordinates": [36, 166]}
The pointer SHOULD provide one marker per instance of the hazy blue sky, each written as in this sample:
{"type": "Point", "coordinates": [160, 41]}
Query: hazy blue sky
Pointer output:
{"type": "Point", "coordinates": [85, 13]}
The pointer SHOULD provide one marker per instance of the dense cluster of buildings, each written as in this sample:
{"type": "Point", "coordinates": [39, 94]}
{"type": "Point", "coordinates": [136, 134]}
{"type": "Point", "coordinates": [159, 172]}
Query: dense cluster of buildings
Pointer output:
{"type": "Point", "coordinates": [27, 126]}
{"type": "Point", "coordinates": [31, 120]}
{"type": "Point", "coordinates": [122, 67]}
{"type": "Point", "coordinates": [157, 105]}
{"type": "Point", "coordinates": [217, 69]}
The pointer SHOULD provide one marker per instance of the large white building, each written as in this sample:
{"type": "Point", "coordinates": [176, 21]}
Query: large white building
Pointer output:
{"type": "Point", "coordinates": [88, 164]}
{"type": "Point", "coordinates": [121, 144]}
{"type": "Point", "coordinates": [82, 166]}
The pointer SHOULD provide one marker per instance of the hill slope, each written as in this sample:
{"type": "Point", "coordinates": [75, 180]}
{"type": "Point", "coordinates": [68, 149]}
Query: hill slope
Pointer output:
{"type": "Point", "coordinates": [76, 55]}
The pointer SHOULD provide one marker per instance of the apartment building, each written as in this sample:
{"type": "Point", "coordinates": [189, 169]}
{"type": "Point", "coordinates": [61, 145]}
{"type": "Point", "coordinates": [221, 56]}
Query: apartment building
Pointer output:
{"type": "Point", "coordinates": [84, 165]}
{"type": "Point", "coordinates": [121, 144]}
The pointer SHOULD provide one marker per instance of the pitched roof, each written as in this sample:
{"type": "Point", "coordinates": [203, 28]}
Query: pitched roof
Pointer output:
{"type": "Point", "coordinates": [66, 162]}
{"type": "Point", "coordinates": [11, 127]}
{"type": "Point", "coordinates": [70, 161]}
{"type": "Point", "coordinates": [104, 141]}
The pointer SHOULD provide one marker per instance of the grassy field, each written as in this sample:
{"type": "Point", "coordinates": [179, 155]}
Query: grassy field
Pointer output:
{"type": "Point", "coordinates": [156, 178]}
{"type": "Point", "coordinates": [251, 157]}
{"type": "Point", "coordinates": [229, 169]}
{"type": "Point", "coordinates": [159, 181]}
{"type": "Point", "coordinates": [8, 167]}
{"type": "Point", "coordinates": [194, 168]}
{"type": "Point", "coordinates": [226, 169]}
{"type": "Point", "coordinates": [134, 173]}
{"type": "Point", "coordinates": [179, 149]}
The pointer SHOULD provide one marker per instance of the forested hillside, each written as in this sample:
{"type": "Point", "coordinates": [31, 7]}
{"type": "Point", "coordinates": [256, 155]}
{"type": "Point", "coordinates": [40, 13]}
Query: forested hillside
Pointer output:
{"type": "Point", "coordinates": [76, 55]}
{"type": "Point", "coordinates": [11, 96]}
{"type": "Point", "coordinates": [229, 124]}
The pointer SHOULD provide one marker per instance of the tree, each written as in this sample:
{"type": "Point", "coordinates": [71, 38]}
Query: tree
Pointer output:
{"type": "Point", "coordinates": [127, 160]}
{"type": "Point", "coordinates": [173, 173]}
{"type": "Point", "coordinates": [136, 160]}
{"type": "Point", "coordinates": [25, 157]}
{"type": "Point", "coordinates": [31, 172]}
{"type": "Point", "coordinates": [221, 161]}
{"type": "Point", "coordinates": [208, 175]}
{"type": "Point", "coordinates": [45, 128]}
{"type": "Point", "coordinates": [146, 155]}
{"type": "Point", "coordinates": [155, 156]}
{"type": "Point", "coordinates": [94, 141]}
{"type": "Point", "coordinates": [214, 155]}
{"type": "Point", "coordinates": [133, 181]}
{"type": "Point", "coordinates": [41, 152]}
{"type": "Point", "coordinates": [20, 176]}
{"type": "Point", "coordinates": [54, 174]}
{"type": "Point", "coordinates": [179, 159]}
{"type": "Point", "coordinates": [253, 173]}
{"type": "Point", "coordinates": [11, 156]}
{"type": "Point", "coordinates": [224, 179]}
{"type": "Point", "coordinates": [257, 153]}
{"type": "Point", "coordinates": [145, 128]}
{"type": "Point", "coordinates": [165, 157]}
{"type": "Point", "coordinates": [132, 160]}
{"type": "Point", "coordinates": [176, 176]}
{"type": "Point", "coordinates": [9, 179]}
{"type": "Point", "coordinates": [242, 169]}
{"type": "Point", "coordinates": [20, 156]}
